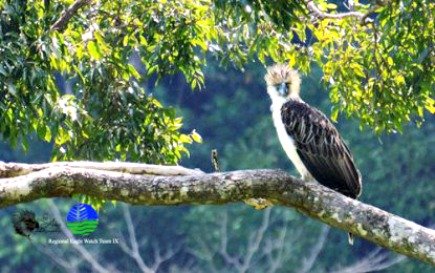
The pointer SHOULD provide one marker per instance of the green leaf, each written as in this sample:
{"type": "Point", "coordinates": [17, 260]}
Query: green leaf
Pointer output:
{"type": "Point", "coordinates": [185, 138]}
{"type": "Point", "coordinates": [47, 135]}
{"type": "Point", "coordinates": [132, 70]}
{"type": "Point", "coordinates": [196, 137]}
{"type": "Point", "coordinates": [358, 69]}
{"type": "Point", "coordinates": [334, 114]}
{"type": "Point", "coordinates": [94, 50]}
{"type": "Point", "coordinates": [430, 105]}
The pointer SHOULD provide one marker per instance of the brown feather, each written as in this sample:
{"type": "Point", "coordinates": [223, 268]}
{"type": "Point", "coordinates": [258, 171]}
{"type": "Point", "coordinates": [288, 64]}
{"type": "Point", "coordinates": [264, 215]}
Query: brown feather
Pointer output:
{"type": "Point", "coordinates": [321, 148]}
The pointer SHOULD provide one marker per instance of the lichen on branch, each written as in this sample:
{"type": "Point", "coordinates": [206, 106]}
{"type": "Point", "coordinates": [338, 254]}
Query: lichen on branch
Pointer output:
{"type": "Point", "coordinates": [143, 184]}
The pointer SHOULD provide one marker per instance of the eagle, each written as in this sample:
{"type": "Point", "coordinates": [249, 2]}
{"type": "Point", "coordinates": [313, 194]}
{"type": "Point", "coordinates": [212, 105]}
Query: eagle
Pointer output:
{"type": "Point", "coordinates": [308, 137]}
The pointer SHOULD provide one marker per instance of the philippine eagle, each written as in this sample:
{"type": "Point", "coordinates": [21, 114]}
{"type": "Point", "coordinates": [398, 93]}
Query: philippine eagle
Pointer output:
{"type": "Point", "coordinates": [308, 137]}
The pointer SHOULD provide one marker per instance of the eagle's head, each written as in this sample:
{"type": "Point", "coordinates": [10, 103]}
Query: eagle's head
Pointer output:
{"type": "Point", "coordinates": [282, 82]}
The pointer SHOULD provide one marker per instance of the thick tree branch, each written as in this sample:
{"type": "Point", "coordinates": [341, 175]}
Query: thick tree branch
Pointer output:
{"type": "Point", "coordinates": [314, 200]}
{"type": "Point", "coordinates": [66, 16]}
{"type": "Point", "coordinates": [17, 169]}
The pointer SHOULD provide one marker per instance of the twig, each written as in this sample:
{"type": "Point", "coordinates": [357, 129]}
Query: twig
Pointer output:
{"type": "Point", "coordinates": [308, 262]}
{"type": "Point", "coordinates": [134, 250]}
{"type": "Point", "coordinates": [206, 252]}
{"type": "Point", "coordinates": [57, 258]}
{"type": "Point", "coordinates": [85, 254]}
{"type": "Point", "coordinates": [66, 16]}
{"type": "Point", "coordinates": [374, 261]}
{"type": "Point", "coordinates": [243, 263]}
{"type": "Point", "coordinates": [255, 240]}
{"type": "Point", "coordinates": [215, 161]}
{"type": "Point", "coordinates": [223, 251]}
{"type": "Point", "coordinates": [277, 244]}
{"type": "Point", "coordinates": [322, 15]}
{"type": "Point", "coordinates": [160, 258]}
{"type": "Point", "coordinates": [363, 17]}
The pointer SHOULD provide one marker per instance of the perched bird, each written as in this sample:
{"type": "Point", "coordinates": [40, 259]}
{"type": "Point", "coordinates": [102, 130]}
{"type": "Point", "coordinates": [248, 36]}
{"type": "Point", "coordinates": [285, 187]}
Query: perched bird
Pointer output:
{"type": "Point", "coordinates": [308, 137]}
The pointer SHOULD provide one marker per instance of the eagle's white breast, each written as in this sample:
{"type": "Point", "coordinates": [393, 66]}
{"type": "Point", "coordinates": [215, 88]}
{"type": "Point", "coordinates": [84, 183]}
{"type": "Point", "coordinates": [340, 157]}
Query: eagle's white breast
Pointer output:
{"type": "Point", "coordinates": [286, 140]}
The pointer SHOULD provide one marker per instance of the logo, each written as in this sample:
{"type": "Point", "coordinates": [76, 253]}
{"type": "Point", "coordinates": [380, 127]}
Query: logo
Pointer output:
{"type": "Point", "coordinates": [82, 219]}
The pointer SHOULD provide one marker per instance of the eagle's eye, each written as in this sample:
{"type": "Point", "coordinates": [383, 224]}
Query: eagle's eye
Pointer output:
{"type": "Point", "coordinates": [283, 88]}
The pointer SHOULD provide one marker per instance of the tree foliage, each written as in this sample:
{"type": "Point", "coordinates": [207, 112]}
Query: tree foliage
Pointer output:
{"type": "Point", "coordinates": [379, 69]}
{"type": "Point", "coordinates": [378, 61]}
{"type": "Point", "coordinates": [399, 165]}
{"type": "Point", "coordinates": [106, 114]}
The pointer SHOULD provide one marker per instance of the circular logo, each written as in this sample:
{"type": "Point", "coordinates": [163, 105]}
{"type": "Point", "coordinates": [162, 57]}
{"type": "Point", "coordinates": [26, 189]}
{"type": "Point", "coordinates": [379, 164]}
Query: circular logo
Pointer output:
{"type": "Point", "coordinates": [82, 219]}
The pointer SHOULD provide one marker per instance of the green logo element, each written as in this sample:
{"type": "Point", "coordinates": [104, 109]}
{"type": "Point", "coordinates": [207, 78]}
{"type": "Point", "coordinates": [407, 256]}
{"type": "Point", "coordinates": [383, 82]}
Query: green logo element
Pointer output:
{"type": "Point", "coordinates": [82, 219]}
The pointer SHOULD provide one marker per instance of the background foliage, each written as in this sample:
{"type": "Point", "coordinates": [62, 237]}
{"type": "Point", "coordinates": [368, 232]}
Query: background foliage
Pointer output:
{"type": "Point", "coordinates": [100, 87]}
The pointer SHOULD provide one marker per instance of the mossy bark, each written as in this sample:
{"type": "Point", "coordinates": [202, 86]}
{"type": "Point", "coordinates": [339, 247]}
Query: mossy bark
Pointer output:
{"type": "Point", "coordinates": [174, 185]}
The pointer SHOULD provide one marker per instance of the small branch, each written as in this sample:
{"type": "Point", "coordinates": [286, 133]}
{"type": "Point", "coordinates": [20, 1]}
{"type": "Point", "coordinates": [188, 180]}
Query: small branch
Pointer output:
{"type": "Point", "coordinates": [205, 252]}
{"type": "Point", "coordinates": [363, 17]}
{"type": "Point", "coordinates": [374, 261]}
{"type": "Point", "coordinates": [309, 261]}
{"type": "Point", "coordinates": [276, 244]}
{"type": "Point", "coordinates": [243, 263]}
{"type": "Point", "coordinates": [223, 250]}
{"type": "Point", "coordinates": [322, 15]}
{"type": "Point", "coordinates": [161, 257]}
{"type": "Point", "coordinates": [311, 199]}
{"type": "Point", "coordinates": [254, 241]}
{"type": "Point", "coordinates": [66, 16]}
{"type": "Point", "coordinates": [64, 262]}
{"type": "Point", "coordinates": [84, 253]}
{"type": "Point", "coordinates": [134, 250]}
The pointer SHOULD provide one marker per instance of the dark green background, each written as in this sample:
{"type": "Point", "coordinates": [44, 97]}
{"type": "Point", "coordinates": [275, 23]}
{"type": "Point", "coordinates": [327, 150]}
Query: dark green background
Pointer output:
{"type": "Point", "coordinates": [232, 115]}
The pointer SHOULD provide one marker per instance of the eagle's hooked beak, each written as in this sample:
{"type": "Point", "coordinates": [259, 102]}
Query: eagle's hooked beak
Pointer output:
{"type": "Point", "coordinates": [282, 89]}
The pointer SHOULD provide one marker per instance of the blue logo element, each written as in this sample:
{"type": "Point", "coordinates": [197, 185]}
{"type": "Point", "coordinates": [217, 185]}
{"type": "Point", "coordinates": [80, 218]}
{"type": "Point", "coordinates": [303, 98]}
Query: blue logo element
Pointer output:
{"type": "Point", "coordinates": [82, 219]}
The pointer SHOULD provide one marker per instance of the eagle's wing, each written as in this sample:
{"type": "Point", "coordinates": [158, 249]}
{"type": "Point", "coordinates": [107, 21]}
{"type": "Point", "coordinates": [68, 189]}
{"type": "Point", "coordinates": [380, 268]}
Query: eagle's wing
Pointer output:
{"type": "Point", "coordinates": [321, 149]}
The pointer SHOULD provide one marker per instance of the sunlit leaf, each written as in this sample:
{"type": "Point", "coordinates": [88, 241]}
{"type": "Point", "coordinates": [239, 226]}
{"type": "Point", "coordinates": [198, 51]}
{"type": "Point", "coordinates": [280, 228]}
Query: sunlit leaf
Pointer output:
{"type": "Point", "coordinates": [94, 50]}
{"type": "Point", "coordinates": [196, 137]}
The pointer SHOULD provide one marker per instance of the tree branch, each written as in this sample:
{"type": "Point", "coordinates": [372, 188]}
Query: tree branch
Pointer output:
{"type": "Point", "coordinates": [363, 17]}
{"type": "Point", "coordinates": [66, 16]}
{"type": "Point", "coordinates": [320, 14]}
{"type": "Point", "coordinates": [309, 261]}
{"type": "Point", "coordinates": [84, 253]}
{"type": "Point", "coordinates": [314, 200]}
{"type": "Point", "coordinates": [372, 262]}
{"type": "Point", "coordinates": [17, 169]}
{"type": "Point", "coordinates": [133, 251]}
